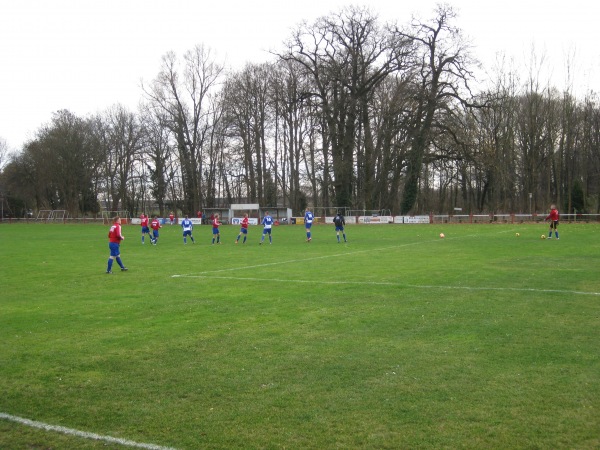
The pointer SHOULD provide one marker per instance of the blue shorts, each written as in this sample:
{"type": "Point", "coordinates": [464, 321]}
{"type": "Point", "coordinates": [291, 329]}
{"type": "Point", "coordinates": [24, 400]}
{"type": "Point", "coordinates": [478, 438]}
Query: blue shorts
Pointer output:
{"type": "Point", "coordinates": [145, 230]}
{"type": "Point", "coordinates": [187, 233]}
{"type": "Point", "coordinates": [114, 249]}
{"type": "Point", "coordinates": [308, 225]}
{"type": "Point", "coordinates": [244, 230]}
{"type": "Point", "coordinates": [339, 228]}
{"type": "Point", "coordinates": [155, 233]}
{"type": "Point", "coordinates": [215, 231]}
{"type": "Point", "coordinates": [267, 230]}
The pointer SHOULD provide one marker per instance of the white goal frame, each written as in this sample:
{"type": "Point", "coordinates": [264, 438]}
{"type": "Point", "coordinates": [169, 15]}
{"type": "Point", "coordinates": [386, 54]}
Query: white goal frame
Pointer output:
{"type": "Point", "coordinates": [52, 215]}
{"type": "Point", "coordinates": [108, 216]}
{"type": "Point", "coordinates": [244, 207]}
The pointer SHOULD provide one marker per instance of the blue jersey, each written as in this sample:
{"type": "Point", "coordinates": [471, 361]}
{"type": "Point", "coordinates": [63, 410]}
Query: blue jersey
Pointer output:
{"type": "Point", "coordinates": [308, 217]}
{"type": "Point", "coordinates": [187, 225]}
{"type": "Point", "coordinates": [267, 222]}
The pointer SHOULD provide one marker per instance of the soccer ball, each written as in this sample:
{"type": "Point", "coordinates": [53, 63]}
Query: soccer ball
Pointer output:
{"type": "Point", "coordinates": [543, 236]}
{"type": "Point", "coordinates": [442, 236]}
{"type": "Point", "coordinates": [517, 234]}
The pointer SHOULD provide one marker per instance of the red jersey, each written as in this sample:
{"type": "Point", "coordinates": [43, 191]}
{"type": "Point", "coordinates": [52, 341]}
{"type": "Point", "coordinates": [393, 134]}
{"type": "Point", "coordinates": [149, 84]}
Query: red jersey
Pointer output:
{"type": "Point", "coordinates": [144, 222]}
{"type": "Point", "coordinates": [171, 216]}
{"type": "Point", "coordinates": [155, 224]}
{"type": "Point", "coordinates": [215, 223]}
{"type": "Point", "coordinates": [554, 216]}
{"type": "Point", "coordinates": [114, 235]}
{"type": "Point", "coordinates": [244, 222]}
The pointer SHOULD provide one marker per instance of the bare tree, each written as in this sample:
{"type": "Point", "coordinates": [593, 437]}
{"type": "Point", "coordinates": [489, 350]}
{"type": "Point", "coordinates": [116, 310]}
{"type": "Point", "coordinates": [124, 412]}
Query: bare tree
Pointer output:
{"type": "Point", "coordinates": [122, 137]}
{"type": "Point", "coordinates": [4, 153]}
{"type": "Point", "coordinates": [293, 110]}
{"type": "Point", "coordinates": [248, 112]}
{"type": "Point", "coordinates": [159, 163]}
{"type": "Point", "coordinates": [591, 146]}
{"type": "Point", "coordinates": [442, 62]}
{"type": "Point", "coordinates": [183, 94]}
{"type": "Point", "coordinates": [346, 56]}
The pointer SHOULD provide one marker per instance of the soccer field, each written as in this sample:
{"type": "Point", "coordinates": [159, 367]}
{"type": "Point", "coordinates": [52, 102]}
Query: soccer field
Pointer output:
{"type": "Point", "coordinates": [397, 339]}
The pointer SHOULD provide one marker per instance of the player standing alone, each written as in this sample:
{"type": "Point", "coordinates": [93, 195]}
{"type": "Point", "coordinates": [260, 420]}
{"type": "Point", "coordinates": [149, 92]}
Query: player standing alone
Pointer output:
{"type": "Point", "coordinates": [216, 233]}
{"type": "Point", "coordinates": [339, 223]}
{"type": "Point", "coordinates": [114, 244]}
{"type": "Point", "coordinates": [267, 224]}
{"type": "Point", "coordinates": [187, 226]}
{"type": "Point", "coordinates": [553, 217]}
{"type": "Point", "coordinates": [308, 220]}
{"type": "Point", "coordinates": [243, 229]}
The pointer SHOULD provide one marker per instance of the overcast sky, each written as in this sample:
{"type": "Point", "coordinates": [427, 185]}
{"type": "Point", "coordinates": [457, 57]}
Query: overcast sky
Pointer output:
{"type": "Point", "coordinates": [85, 56]}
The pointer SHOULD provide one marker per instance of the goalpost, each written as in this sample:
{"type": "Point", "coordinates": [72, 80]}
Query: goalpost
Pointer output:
{"type": "Point", "coordinates": [43, 214]}
{"type": "Point", "coordinates": [108, 216]}
{"type": "Point", "coordinates": [253, 210]}
{"type": "Point", "coordinates": [330, 211]}
{"type": "Point", "coordinates": [51, 215]}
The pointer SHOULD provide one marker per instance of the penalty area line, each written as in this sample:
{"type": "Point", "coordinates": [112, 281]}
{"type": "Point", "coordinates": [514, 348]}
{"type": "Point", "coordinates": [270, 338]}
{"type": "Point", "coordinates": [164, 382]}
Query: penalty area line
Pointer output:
{"type": "Point", "coordinates": [315, 258]}
{"type": "Point", "coordinates": [81, 434]}
{"type": "Point", "coordinates": [292, 261]}
{"type": "Point", "coordinates": [391, 283]}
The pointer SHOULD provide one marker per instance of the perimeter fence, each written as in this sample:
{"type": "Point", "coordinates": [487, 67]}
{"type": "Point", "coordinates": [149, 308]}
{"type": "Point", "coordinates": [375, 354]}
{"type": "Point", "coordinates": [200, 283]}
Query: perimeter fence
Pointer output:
{"type": "Point", "coordinates": [510, 218]}
{"type": "Point", "coordinates": [431, 219]}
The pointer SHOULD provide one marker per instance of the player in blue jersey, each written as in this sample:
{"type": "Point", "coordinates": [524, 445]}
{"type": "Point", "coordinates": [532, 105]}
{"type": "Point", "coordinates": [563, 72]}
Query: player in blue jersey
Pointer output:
{"type": "Point", "coordinates": [267, 224]}
{"type": "Point", "coordinates": [308, 220]}
{"type": "Point", "coordinates": [339, 223]}
{"type": "Point", "coordinates": [187, 226]}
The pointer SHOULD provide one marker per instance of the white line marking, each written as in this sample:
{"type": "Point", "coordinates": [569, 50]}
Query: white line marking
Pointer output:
{"type": "Point", "coordinates": [393, 283]}
{"type": "Point", "coordinates": [471, 288]}
{"type": "Point", "coordinates": [291, 261]}
{"type": "Point", "coordinates": [205, 274]}
{"type": "Point", "coordinates": [82, 434]}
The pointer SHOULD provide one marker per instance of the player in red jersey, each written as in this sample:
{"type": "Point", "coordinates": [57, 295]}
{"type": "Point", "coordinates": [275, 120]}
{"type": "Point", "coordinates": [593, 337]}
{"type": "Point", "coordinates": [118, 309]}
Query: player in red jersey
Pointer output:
{"type": "Point", "coordinates": [172, 218]}
{"type": "Point", "coordinates": [554, 216]}
{"type": "Point", "coordinates": [145, 229]}
{"type": "Point", "coordinates": [215, 230]}
{"type": "Point", "coordinates": [243, 229]}
{"type": "Point", "coordinates": [114, 244]}
{"type": "Point", "coordinates": [155, 225]}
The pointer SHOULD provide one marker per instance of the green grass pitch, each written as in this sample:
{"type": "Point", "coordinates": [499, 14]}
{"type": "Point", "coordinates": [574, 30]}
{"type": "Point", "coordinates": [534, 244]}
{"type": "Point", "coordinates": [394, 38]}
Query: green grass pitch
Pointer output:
{"type": "Point", "coordinates": [397, 339]}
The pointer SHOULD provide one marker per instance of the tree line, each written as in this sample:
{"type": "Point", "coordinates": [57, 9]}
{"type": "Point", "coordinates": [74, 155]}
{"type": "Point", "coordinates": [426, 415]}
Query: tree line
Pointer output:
{"type": "Point", "coordinates": [352, 112]}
